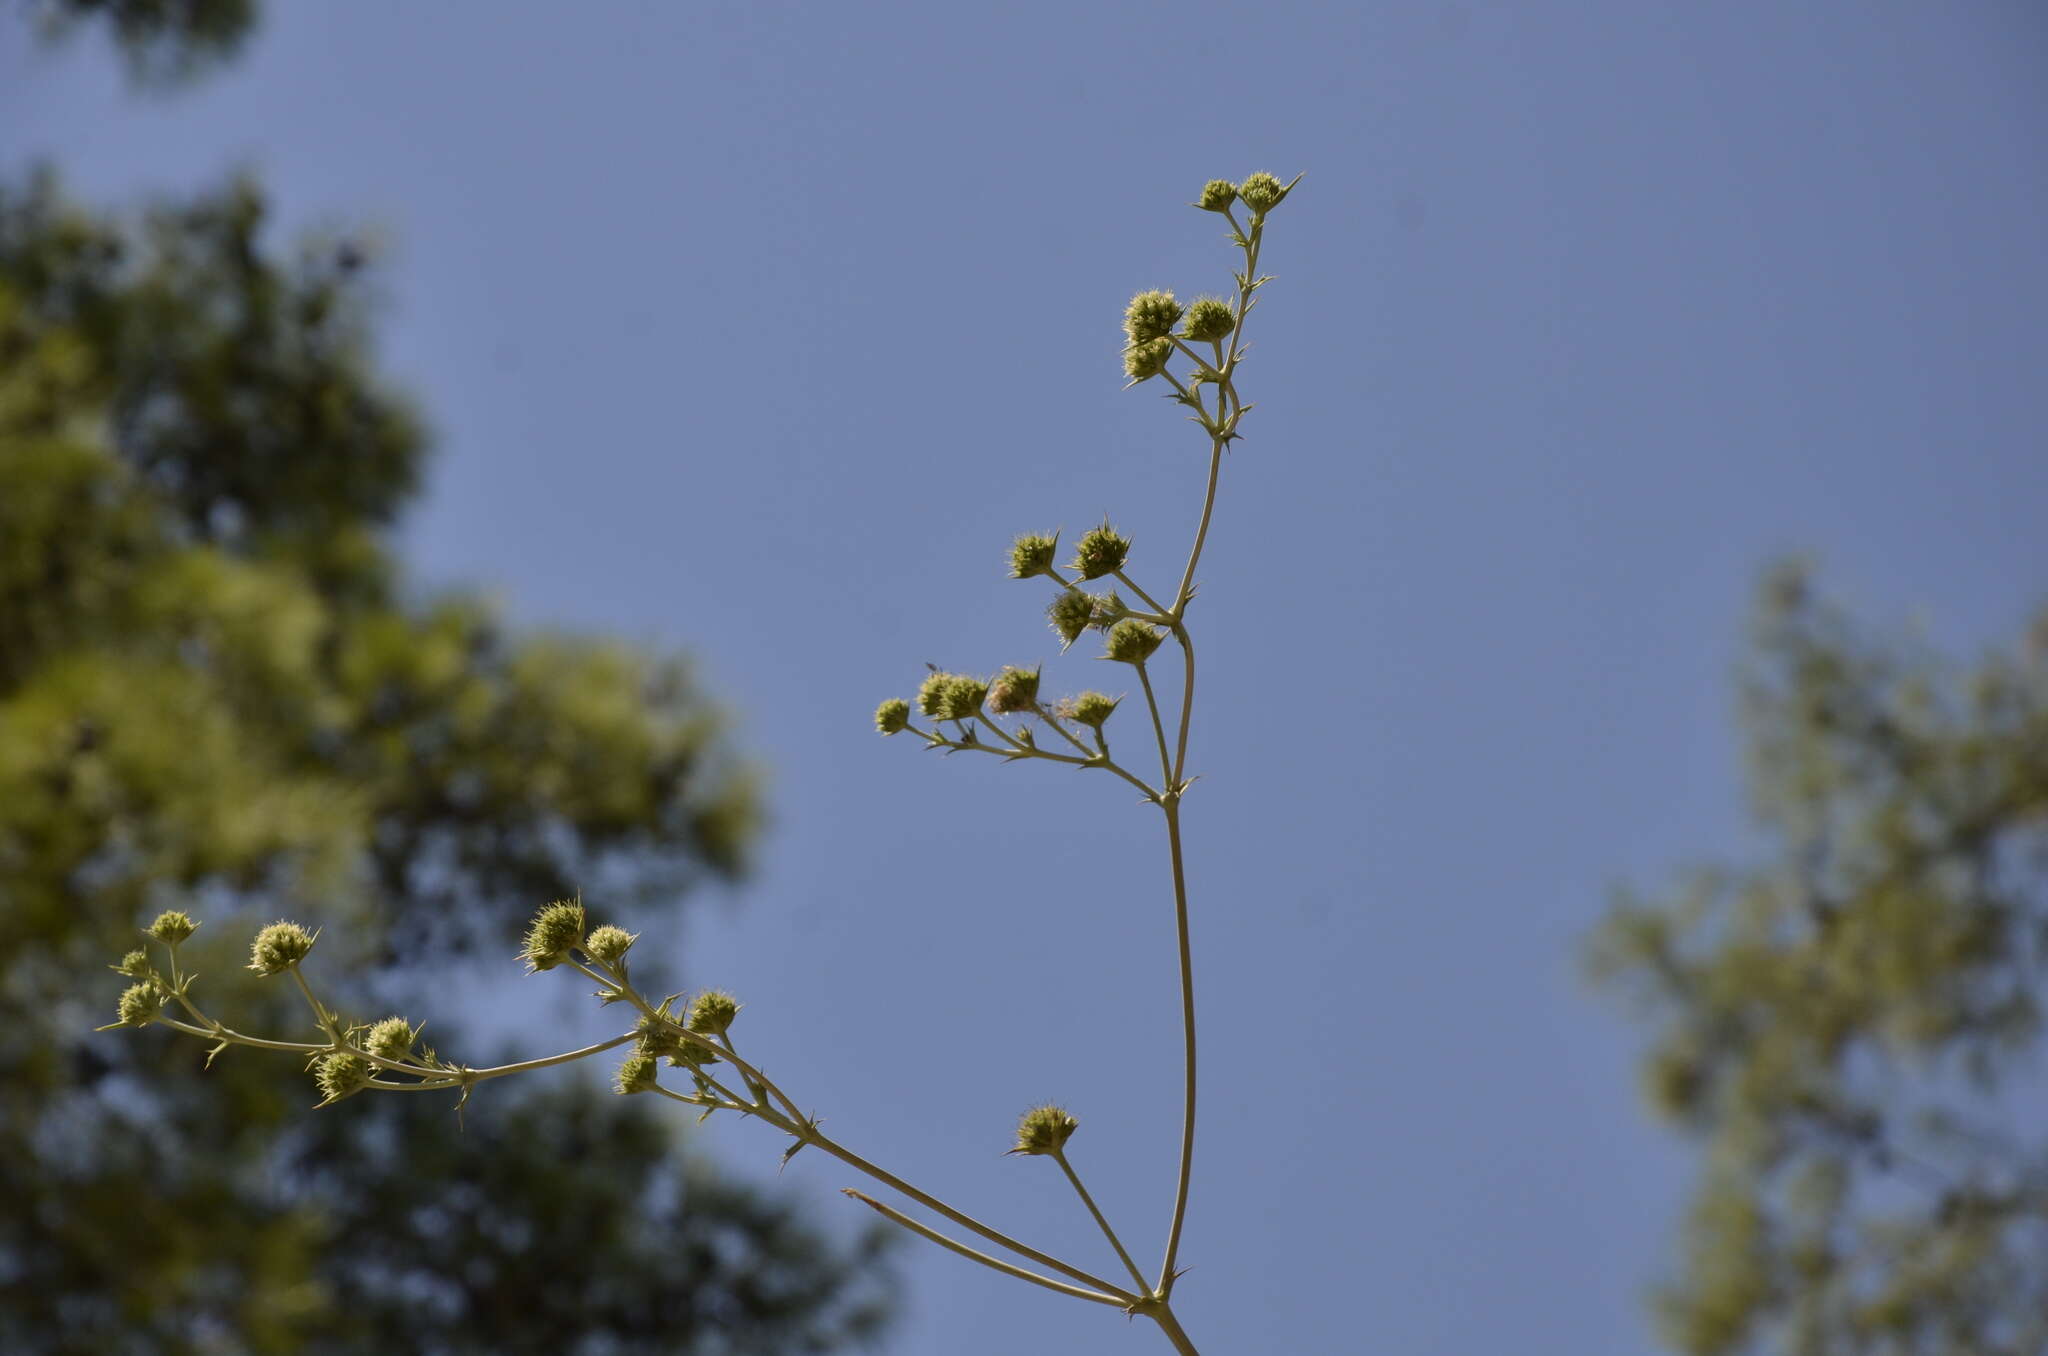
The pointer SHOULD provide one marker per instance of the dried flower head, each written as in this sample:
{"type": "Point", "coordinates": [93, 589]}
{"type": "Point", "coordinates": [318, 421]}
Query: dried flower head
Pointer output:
{"type": "Point", "coordinates": [279, 947]}
{"type": "Point", "coordinates": [1013, 690]}
{"type": "Point", "coordinates": [172, 927]}
{"type": "Point", "coordinates": [1132, 642]}
{"type": "Point", "coordinates": [555, 932]}
{"type": "Point", "coordinates": [1031, 555]}
{"type": "Point", "coordinates": [713, 1012]}
{"type": "Point", "coordinates": [1044, 1130]}
{"type": "Point", "coordinates": [608, 945]}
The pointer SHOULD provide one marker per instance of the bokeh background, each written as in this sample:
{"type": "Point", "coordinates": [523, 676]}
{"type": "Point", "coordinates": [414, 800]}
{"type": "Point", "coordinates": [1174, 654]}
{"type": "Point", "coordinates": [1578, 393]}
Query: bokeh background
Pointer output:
{"type": "Point", "coordinates": [756, 331]}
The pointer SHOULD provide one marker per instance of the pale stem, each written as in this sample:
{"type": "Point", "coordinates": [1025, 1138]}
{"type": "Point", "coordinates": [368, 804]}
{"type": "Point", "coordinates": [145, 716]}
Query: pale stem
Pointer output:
{"type": "Point", "coordinates": [1143, 596]}
{"type": "Point", "coordinates": [972, 1254]}
{"type": "Point", "coordinates": [1158, 729]}
{"type": "Point", "coordinates": [1187, 1021]}
{"type": "Point", "coordinates": [1074, 1178]}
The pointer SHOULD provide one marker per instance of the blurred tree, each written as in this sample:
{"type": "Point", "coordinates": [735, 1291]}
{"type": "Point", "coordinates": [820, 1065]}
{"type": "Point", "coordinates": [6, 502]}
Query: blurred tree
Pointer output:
{"type": "Point", "coordinates": [1852, 1030]}
{"type": "Point", "coordinates": [165, 42]}
{"type": "Point", "coordinates": [215, 694]}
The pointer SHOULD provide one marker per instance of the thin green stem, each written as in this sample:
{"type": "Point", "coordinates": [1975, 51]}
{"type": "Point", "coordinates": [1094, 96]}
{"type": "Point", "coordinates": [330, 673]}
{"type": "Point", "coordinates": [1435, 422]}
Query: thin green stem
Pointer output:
{"type": "Point", "coordinates": [1187, 1019]}
{"type": "Point", "coordinates": [1187, 704]}
{"type": "Point", "coordinates": [1074, 1178]}
{"type": "Point", "coordinates": [1163, 1316]}
{"type": "Point", "coordinates": [1158, 728]}
{"type": "Point", "coordinates": [973, 1254]}
{"type": "Point", "coordinates": [1143, 596]}
{"type": "Point", "coordinates": [1054, 722]}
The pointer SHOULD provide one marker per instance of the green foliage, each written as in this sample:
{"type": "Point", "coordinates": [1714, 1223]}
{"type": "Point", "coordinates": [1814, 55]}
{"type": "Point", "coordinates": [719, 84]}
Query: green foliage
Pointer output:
{"type": "Point", "coordinates": [165, 42]}
{"type": "Point", "coordinates": [214, 687]}
{"type": "Point", "coordinates": [1841, 1027]}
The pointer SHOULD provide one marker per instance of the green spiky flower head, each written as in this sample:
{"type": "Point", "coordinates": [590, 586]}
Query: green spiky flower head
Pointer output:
{"type": "Point", "coordinates": [713, 1012]}
{"type": "Point", "coordinates": [1091, 708]}
{"type": "Point", "coordinates": [172, 927]}
{"type": "Point", "coordinates": [1261, 192]}
{"type": "Point", "coordinates": [1100, 551]}
{"type": "Point", "coordinates": [638, 1072]}
{"type": "Point", "coordinates": [1132, 642]}
{"type": "Point", "coordinates": [555, 931]}
{"type": "Point", "coordinates": [1142, 362]}
{"type": "Point", "coordinates": [1070, 614]}
{"type": "Point", "coordinates": [1217, 195]}
{"type": "Point", "coordinates": [135, 965]}
{"type": "Point", "coordinates": [1044, 1130]}
{"type": "Point", "coordinates": [931, 694]}
{"type": "Point", "coordinates": [279, 947]}
{"type": "Point", "coordinates": [340, 1074]}
{"type": "Point", "coordinates": [1031, 555]}
{"type": "Point", "coordinates": [140, 1003]}
{"type": "Point", "coordinates": [1013, 690]}
{"type": "Point", "coordinates": [962, 697]}
{"type": "Point", "coordinates": [390, 1039]}
{"type": "Point", "coordinates": [893, 716]}
{"type": "Point", "coordinates": [1209, 319]}
{"type": "Point", "coordinates": [1151, 315]}
{"type": "Point", "coordinates": [608, 945]}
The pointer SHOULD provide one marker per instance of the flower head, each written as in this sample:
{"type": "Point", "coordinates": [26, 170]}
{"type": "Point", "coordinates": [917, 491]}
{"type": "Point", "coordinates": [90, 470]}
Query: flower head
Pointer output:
{"type": "Point", "coordinates": [1142, 362]}
{"type": "Point", "coordinates": [390, 1039]}
{"type": "Point", "coordinates": [1261, 192]}
{"type": "Point", "coordinates": [1091, 708]}
{"type": "Point", "coordinates": [1209, 319]}
{"type": "Point", "coordinates": [1013, 690]}
{"type": "Point", "coordinates": [1101, 551]}
{"type": "Point", "coordinates": [1217, 195]}
{"type": "Point", "coordinates": [1031, 555]}
{"type": "Point", "coordinates": [140, 1003]}
{"type": "Point", "coordinates": [279, 947]}
{"type": "Point", "coordinates": [1132, 642]}
{"type": "Point", "coordinates": [555, 932]}
{"type": "Point", "coordinates": [713, 1012]}
{"type": "Point", "coordinates": [608, 945]}
{"type": "Point", "coordinates": [893, 716]}
{"type": "Point", "coordinates": [1070, 614]}
{"type": "Point", "coordinates": [340, 1074]}
{"type": "Point", "coordinates": [1044, 1130]}
{"type": "Point", "coordinates": [638, 1072]}
{"type": "Point", "coordinates": [173, 927]}
{"type": "Point", "coordinates": [1151, 315]}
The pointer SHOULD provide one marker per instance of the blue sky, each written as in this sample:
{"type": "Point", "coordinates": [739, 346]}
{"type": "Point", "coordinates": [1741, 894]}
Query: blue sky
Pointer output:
{"type": "Point", "coordinates": [759, 330]}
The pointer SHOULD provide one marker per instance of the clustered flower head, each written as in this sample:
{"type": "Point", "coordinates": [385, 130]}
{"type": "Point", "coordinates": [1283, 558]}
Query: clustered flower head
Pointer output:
{"type": "Point", "coordinates": [1217, 195]}
{"type": "Point", "coordinates": [1209, 319]}
{"type": "Point", "coordinates": [1142, 362]}
{"type": "Point", "coordinates": [135, 965]}
{"type": "Point", "coordinates": [390, 1039]}
{"type": "Point", "coordinates": [1044, 1130]}
{"type": "Point", "coordinates": [339, 1074]}
{"type": "Point", "coordinates": [140, 1003]}
{"type": "Point", "coordinates": [1151, 315]}
{"type": "Point", "coordinates": [555, 932]}
{"type": "Point", "coordinates": [1013, 690]}
{"type": "Point", "coordinates": [638, 1072]}
{"type": "Point", "coordinates": [1031, 555]}
{"type": "Point", "coordinates": [608, 945]}
{"type": "Point", "coordinates": [892, 716]}
{"type": "Point", "coordinates": [1090, 708]}
{"type": "Point", "coordinates": [1070, 615]}
{"type": "Point", "coordinates": [1132, 642]}
{"type": "Point", "coordinates": [949, 696]}
{"type": "Point", "coordinates": [1100, 551]}
{"type": "Point", "coordinates": [713, 1012]}
{"type": "Point", "coordinates": [172, 927]}
{"type": "Point", "coordinates": [1261, 192]}
{"type": "Point", "coordinates": [279, 947]}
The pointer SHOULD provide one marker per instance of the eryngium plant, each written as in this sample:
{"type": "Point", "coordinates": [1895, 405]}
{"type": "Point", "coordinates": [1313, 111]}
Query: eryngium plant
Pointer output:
{"type": "Point", "coordinates": [1007, 714]}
